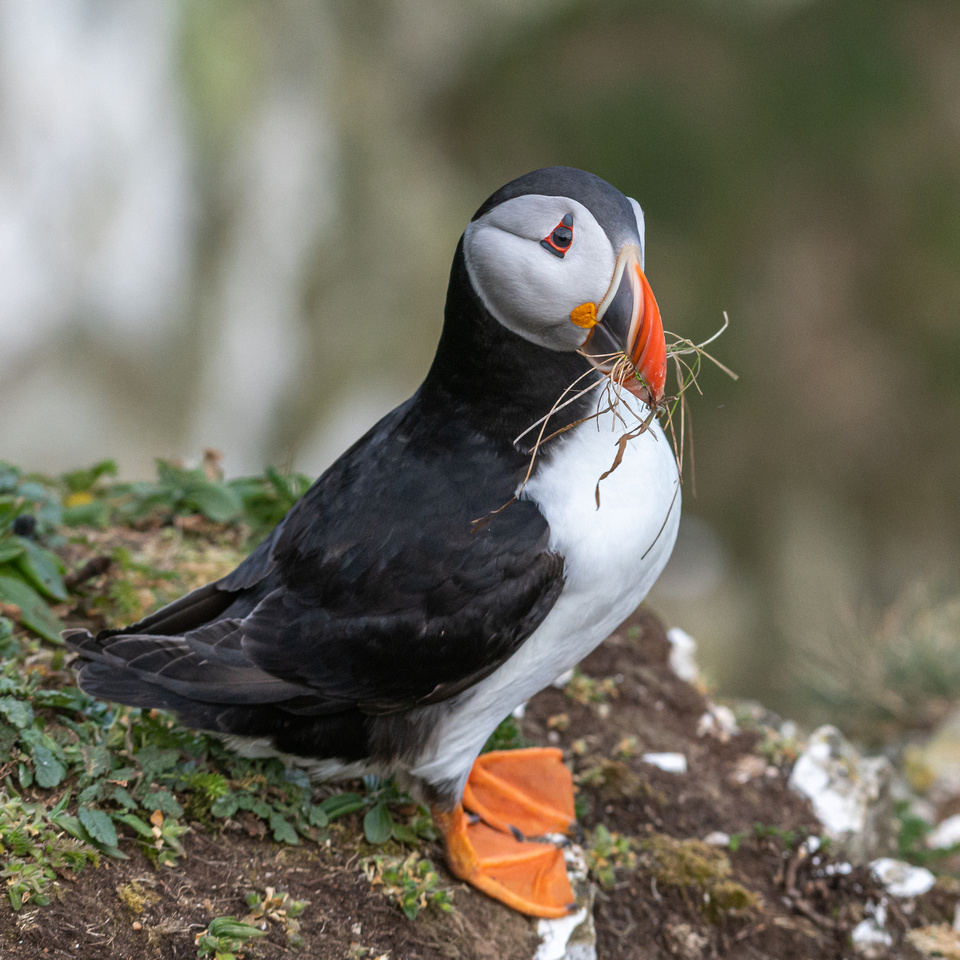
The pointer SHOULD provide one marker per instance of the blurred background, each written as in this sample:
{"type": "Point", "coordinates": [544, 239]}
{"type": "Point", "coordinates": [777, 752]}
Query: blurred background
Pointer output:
{"type": "Point", "coordinates": [228, 224]}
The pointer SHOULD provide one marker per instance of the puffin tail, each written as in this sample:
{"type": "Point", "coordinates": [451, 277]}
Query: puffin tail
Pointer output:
{"type": "Point", "coordinates": [168, 673]}
{"type": "Point", "coordinates": [206, 679]}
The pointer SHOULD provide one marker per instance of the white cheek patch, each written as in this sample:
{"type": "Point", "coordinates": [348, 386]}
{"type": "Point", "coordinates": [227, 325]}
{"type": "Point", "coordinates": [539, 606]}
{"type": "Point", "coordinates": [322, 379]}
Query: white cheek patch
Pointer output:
{"type": "Point", "coordinates": [527, 288]}
{"type": "Point", "coordinates": [641, 229]}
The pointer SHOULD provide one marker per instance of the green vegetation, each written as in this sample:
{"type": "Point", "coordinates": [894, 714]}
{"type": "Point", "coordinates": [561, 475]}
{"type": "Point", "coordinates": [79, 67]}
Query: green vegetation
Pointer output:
{"type": "Point", "coordinates": [590, 691]}
{"type": "Point", "coordinates": [224, 936]}
{"type": "Point", "coordinates": [81, 779]}
{"type": "Point", "coordinates": [411, 883]}
{"type": "Point", "coordinates": [31, 577]}
{"type": "Point", "coordinates": [901, 675]}
{"type": "Point", "coordinates": [37, 513]}
{"type": "Point", "coordinates": [912, 832]}
{"type": "Point", "coordinates": [696, 869]}
{"type": "Point", "coordinates": [506, 736]}
{"type": "Point", "coordinates": [277, 907]}
{"type": "Point", "coordinates": [607, 852]}
{"type": "Point", "coordinates": [89, 498]}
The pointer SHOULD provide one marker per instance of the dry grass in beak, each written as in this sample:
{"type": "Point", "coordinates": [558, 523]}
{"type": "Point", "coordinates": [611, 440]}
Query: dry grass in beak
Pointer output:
{"type": "Point", "coordinates": [688, 359]}
{"type": "Point", "coordinates": [562, 401]}
{"type": "Point", "coordinates": [614, 398]}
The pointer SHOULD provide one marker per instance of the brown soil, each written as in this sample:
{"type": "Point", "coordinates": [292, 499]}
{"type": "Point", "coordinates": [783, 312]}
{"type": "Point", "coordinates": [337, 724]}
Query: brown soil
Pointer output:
{"type": "Point", "coordinates": [790, 906]}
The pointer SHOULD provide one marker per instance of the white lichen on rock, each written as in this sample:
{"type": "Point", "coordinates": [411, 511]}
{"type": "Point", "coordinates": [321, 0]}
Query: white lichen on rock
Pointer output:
{"type": "Point", "coordinates": [850, 794]}
{"type": "Point", "coordinates": [670, 762]}
{"type": "Point", "coordinates": [573, 937]}
{"type": "Point", "coordinates": [683, 650]}
{"type": "Point", "coordinates": [902, 879]}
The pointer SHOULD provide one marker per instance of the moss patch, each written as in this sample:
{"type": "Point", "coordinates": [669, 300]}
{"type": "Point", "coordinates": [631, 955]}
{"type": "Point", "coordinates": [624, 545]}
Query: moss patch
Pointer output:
{"type": "Point", "coordinates": [691, 865]}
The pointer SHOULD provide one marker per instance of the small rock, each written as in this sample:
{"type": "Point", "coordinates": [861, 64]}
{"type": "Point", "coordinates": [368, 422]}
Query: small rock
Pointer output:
{"type": "Point", "coordinates": [718, 722]}
{"type": "Point", "coordinates": [748, 768]}
{"type": "Point", "coordinates": [902, 879]}
{"type": "Point", "coordinates": [938, 940]}
{"type": "Point", "coordinates": [945, 834]}
{"type": "Point", "coordinates": [683, 941]}
{"type": "Point", "coordinates": [717, 839]}
{"type": "Point", "coordinates": [683, 649]}
{"type": "Point", "coordinates": [788, 730]}
{"type": "Point", "coordinates": [850, 794]}
{"type": "Point", "coordinates": [670, 762]}
{"type": "Point", "coordinates": [870, 939]}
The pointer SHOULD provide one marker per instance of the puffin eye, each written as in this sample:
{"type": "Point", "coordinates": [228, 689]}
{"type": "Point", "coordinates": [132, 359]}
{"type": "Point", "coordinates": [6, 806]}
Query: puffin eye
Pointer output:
{"type": "Point", "coordinates": [559, 240]}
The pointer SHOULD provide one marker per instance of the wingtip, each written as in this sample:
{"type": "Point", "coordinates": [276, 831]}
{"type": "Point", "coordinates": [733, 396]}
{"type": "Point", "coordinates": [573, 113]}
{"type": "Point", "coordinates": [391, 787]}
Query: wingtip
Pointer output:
{"type": "Point", "coordinates": [76, 638]}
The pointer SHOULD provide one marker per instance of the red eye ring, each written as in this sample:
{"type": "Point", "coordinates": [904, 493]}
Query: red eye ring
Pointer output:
{"type": "Point", "coordinates": [560, 237]}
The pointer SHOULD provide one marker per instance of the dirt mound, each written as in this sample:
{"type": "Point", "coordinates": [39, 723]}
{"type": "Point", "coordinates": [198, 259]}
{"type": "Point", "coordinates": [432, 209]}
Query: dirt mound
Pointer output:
{"type": "Point", "coordinates": [714, 861]}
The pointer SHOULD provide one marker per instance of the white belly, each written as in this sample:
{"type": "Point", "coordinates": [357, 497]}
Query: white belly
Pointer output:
{"type": "Point", "coordinates": [612, 556]}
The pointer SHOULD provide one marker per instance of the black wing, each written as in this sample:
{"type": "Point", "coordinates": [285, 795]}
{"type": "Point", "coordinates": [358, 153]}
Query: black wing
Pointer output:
{"type": "Point", "coordinates": [378, 590]}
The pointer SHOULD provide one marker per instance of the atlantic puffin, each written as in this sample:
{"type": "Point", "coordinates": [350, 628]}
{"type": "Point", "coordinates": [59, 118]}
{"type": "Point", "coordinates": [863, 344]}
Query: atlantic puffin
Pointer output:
{"type": "Point", "coordinates": [461, 555]}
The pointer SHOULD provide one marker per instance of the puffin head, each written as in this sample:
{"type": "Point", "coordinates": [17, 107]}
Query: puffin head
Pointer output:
{"type": "Point", "coordinates": [556, 257]}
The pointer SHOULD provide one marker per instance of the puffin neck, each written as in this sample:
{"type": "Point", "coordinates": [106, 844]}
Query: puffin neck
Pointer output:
{"type": "Point", "coordinates": [493, 378]}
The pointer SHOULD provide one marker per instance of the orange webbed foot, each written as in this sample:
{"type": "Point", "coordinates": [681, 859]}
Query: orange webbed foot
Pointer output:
{"type": "Point", "coordinates": [512, 795]}
{"type": "Point", "coordinates": [529, 877]}
{"type": "Point", "coordinates": [526, 790]}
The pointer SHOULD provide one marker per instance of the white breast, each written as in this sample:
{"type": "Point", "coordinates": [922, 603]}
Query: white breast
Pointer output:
{"type": "Point", "coordinates": [612, 556]}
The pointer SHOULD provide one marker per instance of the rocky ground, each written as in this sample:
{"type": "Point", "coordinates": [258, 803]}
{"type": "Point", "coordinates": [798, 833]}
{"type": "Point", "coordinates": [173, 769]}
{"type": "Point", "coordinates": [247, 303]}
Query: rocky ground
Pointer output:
{"type": "Point", "coordinates": [696, 837]}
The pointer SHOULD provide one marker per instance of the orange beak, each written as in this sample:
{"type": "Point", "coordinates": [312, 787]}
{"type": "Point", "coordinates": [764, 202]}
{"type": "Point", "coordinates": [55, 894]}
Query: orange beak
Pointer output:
{"type": "Point", "coordinates": [628, 323]}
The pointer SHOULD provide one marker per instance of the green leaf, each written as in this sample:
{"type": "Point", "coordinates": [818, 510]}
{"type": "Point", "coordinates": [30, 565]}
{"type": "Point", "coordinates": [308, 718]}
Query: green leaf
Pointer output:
{"type": "Point", "coordinates": [8, 737]}
{"type": "Point", "coordinates": [68, 698]}
{"type": "Point", "coordinates": [317, 816]}
{"type": "Point", "coordinates": [231, 927]}
{"type": "Point", "coordinates": [216, 503]}
{"type": "Point", "coordinates": [96, 759]}
{"type": "Point", "coordinates": [96, 513]}
{"type": "Point", "coordinates": [43, 570]}
{"type": "Point", "coordinates": [378, 824]}
{"type": "Point", "coordinates": [121, 796]}
{"type": "Point", "coordinates": [34, 612]}
{"type": "Point", "coordinates": [225, 806]}
{"type": "Point", "coordinates": [70, 824]}
{"type": "Point", "coordinates": [91, 794]}
{"type": "Point", "coordinates": [155, 761]}
{"type": "Point", "coordinates": [342, 803]}
{"type": "Point", "coordinates": [61, 805]}
{"type": "Point", "coordinates": [164, 801]}
{"type": "Point", "coordinates": [283, 831]}
{"type": "Point", "coordinates": [79, 481]}
{"type": "Point", "coordinates": [16, 896]}
{"type": "Point", "coordinates": [132, 820]}
{"type": "Point", "coordinates": [405, 833]}
{"type": "Point", "coordinates": [48, 770]}
{"type": "Point", "coordinates": [18, 712]}
{"type": "Point", "coordinates": [98, 825]}
{"type": "Point", "coordinates": [10, 548]}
